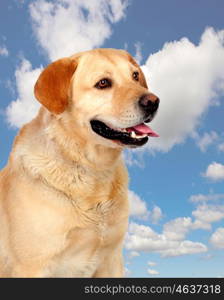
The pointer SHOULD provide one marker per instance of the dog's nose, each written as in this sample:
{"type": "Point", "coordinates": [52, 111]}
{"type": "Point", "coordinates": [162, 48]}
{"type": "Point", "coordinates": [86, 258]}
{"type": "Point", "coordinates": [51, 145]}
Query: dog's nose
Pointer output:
{"type": "Point", "coordinates": [149, 103]}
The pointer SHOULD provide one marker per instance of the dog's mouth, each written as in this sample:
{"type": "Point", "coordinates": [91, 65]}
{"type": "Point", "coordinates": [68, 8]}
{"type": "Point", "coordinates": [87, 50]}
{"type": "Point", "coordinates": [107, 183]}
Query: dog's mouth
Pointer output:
{"type": "Point", "coordinates": [133, 136]}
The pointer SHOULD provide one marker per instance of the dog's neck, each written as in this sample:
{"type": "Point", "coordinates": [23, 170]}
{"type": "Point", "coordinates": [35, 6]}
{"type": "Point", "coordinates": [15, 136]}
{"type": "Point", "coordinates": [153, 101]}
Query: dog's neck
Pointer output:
{"type": "Point", "coordinates": [49, 154]}
{"type": "Point", "coordinates": [76, 149]}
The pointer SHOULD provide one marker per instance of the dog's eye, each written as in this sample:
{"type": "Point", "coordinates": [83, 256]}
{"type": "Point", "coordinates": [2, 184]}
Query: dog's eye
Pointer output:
{"type": "Point", "coordinates": [135, 76]}
{"type": "Point", "coordinates": [103, 83]}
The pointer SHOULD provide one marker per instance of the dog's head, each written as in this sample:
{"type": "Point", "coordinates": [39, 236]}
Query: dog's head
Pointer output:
{"type": "Point", "coordinates": [102, 94]}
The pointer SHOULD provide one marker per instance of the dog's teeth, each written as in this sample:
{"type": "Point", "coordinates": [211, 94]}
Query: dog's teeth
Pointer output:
{"type": "Point", "coordinates": [133, 135]}
{"type": "Point", "coordinates": [140, 136]}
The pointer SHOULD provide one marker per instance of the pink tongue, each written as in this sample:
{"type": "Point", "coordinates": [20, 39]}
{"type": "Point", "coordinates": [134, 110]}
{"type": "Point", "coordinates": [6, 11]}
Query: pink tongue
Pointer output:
{"type": "Point", "coordinates": [143, 129]}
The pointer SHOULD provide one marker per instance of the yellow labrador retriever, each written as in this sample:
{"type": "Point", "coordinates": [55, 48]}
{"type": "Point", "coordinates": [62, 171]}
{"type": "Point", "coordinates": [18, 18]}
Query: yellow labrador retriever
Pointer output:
{"type": "Point", "coordinates": [63, 193]}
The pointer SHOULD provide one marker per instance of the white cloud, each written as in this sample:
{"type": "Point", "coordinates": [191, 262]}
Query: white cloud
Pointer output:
{"type": "Point", "coordinates": [185, 247]}
{"type": "Point", "coordinates": [25, 107]}
{"type": "Point", "coordinates": [143, 238]}
{"type": "Point", "coordinates": [177, 229]}
{"type": "Point", "coordinates": [209, 213]}
{"type": "Point", "coordinates": [199, 224]}
{"type": "Point", "coordinates": [138, 53]}
{"type": "Point", "coordinates": [205, 214]}
{"type": "Point", "coordinates": [138, 207]}
{"type": "Point", "coordinates": [133, 254]}
{"type": "Point", "coordinates": [172, 240]}
{"type": "Point", "coordinates": [152, 263]}
{"type": "Point", "coordinates": [142, 230]}
{"type": "Point", "coordinates": [188, 78]}
{"type": "Point", "coordinates": [155, 215]}
{"type": "Point", "coordinates": [4, 51]}
{"type": "Point", "coordinates": [64, 27]}
{"type": "Point", "coordinates": [217, 238]}
{"type": "Point", "coordinates": [131, 160]}
{"type": "Point", "coordinates": [152, 272]}
{"type": "Point", "coordinates": [205, 198]}
{"type": "Point", "coordinates": [221, 147]}
{"type": "Point", "coordinates": [215, 171]}
{"type": "Point", "coordinates": [206, 140]}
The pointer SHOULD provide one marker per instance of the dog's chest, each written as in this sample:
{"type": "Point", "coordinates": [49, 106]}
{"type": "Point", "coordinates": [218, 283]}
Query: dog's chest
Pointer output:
{"type": "Point", "coordinates": [87, 246]}
{"type": "Point", "coordinates": [84, 220]}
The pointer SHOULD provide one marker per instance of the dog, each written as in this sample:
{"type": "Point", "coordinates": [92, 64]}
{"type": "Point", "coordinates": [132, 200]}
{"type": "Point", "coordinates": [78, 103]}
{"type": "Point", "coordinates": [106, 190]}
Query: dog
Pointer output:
{"type": "Point", "coordinates": [63, 193]}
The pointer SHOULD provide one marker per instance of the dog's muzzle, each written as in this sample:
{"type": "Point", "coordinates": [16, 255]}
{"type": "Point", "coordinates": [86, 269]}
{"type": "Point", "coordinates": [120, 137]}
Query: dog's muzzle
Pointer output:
{"type": "Point", "coordinates": [138, 134]}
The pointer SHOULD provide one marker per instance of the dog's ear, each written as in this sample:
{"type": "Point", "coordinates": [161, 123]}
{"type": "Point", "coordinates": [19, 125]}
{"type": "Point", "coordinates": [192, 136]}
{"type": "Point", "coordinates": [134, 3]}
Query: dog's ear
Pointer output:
{"type": "Point", "coordinates": [52, 86]}
{"type": "Point", "coordinates": [142, 76]}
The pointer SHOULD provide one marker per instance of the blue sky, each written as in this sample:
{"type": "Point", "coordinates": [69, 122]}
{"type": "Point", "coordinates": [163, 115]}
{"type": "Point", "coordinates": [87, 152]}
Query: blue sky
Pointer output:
{"type": "Point", "coordinates": [176, 181]}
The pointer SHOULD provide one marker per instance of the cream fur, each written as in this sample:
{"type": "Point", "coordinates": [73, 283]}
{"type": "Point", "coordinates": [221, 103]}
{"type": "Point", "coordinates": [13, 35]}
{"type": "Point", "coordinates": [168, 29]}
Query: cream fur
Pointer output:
{"type": "Point", "coordinates": [63, 193]}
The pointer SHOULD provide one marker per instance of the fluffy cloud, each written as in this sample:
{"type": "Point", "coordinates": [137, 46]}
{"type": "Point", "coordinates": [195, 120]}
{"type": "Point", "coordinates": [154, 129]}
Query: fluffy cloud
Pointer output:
{"type": "Point", "coordinates": [155, 215]}
{"type": "Point", "coordinates": [206, 214]}
{"type": "Point", "coordinates": [206, 140]}
{"type": "Point", "coordinates": [138, 53]}
{"type": "Point", "coordinates": [152, 263]}
{"type": "Point", "coordinates": [131, 160]}
{"type": "Point", "coordinates": [177, 228]}
{"type": "Point", "coordinates": [221, 147]}
{"type": "Point", "coordinates": [204, 198]}
{"type": "Point", "coordinates": [24, 108]}
{"type": "Point", "coordinates": [143, 238]}
{"type": "Point", "coordinates": [152, 272]}
{"type": "Point", "coordinates": [188, 78]}
{"type": "Point", "coordinates": [209, 213]}
{"type": "Point", "coordinates": [172, 240]}
{"type": "Point", "coordinates": [215, 171]}
{"type": "Point", "coordinates": [185, 247]}
{"type": "Point", "coordinates": [133, 254]}
{"type": "Point", "coordinates": [64, 27]}
{"type": "Point", "coordinates": [142, 230]}
{"type": "Point", "coordinates": [138, 207]}
{"type": "Point", "coordinates": [4, 51]}
{"type": "Point", "coordinates": [217, 238]}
